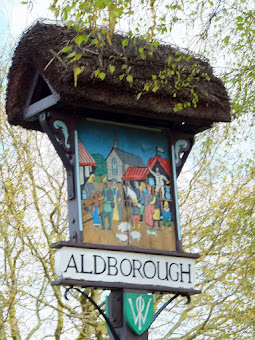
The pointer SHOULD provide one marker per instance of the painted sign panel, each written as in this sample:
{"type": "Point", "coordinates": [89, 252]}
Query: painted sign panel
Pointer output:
{"type": "Point", "coordinates": [124, 181]}
{"type": "Point", "coordinates": [97, 266]}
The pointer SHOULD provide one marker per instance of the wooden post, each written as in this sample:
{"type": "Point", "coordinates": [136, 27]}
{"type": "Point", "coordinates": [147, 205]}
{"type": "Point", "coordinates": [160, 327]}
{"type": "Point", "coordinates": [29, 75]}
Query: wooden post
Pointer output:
{"type": "Point", "coordinates": [116, 315]}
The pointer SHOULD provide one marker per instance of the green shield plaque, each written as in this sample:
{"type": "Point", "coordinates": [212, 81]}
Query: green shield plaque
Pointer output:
{"type": "Point", "coordinates": [138, 311]}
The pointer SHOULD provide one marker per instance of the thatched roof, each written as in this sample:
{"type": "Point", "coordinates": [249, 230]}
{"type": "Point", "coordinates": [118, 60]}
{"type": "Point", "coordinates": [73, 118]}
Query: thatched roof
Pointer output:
{"type": "Point", "coordinates": [40, 49]}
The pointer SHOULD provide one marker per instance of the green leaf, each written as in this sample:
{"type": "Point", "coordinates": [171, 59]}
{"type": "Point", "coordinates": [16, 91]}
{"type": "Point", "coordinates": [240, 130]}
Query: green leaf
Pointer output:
{"type": "Point", "coordinates": [97, 73]}
{"type": "Point", "coordinates": [66, 49]}
{"type": "Point", "coordinates": [78, 56]}
{"type": "Point", "coordinates": [78, 40]}
{"type": "Point", "coordinates": [81, 38]}
{"type": "Point", "coordinates": [70, 23]}
{"type": "Point", "coordinates": [226, 39]}
{"type": "Point", "coordinates": [71, 55]}
{"type": "Point", "coordinates": [129, 78]}
{"type": "Point", "coordinates": [102, 75]}
{"type": "Point", "coordinates": [121, 76]}
{"type": "Point", "coordinates": [239, 18]}
{"type": "Point", "coordinates": [239, 26]}
{"type": "Point", "coordinates": [77, 71]}
{"type": "Point", "coordinates": [124, 42]}
{"type": "Point", "coordinates": [139, 95]}
{"type": "Point", "coordinates": [155, 88]}
{"type": "Point", "coordinates": [112, 68]}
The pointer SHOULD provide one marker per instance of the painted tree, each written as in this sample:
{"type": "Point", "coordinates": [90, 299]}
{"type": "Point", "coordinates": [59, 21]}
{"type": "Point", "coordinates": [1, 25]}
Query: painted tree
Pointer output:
{"type": "Point", "coordinates": [101, 169]}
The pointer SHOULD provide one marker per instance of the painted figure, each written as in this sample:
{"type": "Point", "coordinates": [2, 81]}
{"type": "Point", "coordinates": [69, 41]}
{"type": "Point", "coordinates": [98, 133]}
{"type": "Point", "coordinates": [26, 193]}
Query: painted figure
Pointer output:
{"type": "Point", "coordinates": [167, 195]}
{"type": "Point", "coordinates": [166, 215]}
{"type": "Point", "coordinates": [96, 218]}
{"type": "Point", "coordinates": [135, 213]}
{"type": "Point", "coordinates": [108, 206]}
{"type": "Point", "coordinates": [149, 207]}
{"type": "Point", "coordinates": [137, 190]}
{"type": "Point", "coordinates": [159, 180]}
{"type": "Point", "coordinates": [142, 199]}
{"type": "Point", "coordinates": [156, 211]}
{"type": "Point", "coordinates": [89, 187]}
{"type": "Point", "coordinates": [117, 210]}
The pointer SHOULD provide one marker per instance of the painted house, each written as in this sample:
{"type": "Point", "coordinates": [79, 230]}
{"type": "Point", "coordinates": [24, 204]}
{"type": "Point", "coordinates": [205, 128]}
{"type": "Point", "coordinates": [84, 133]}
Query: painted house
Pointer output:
{"type": "Point", "coordinates": [86, 163]}
{"type": "Point", "coordinates": [119, 161]}
{"type": "Point", "coordinates": [135, 174]}
{"type": "Point", "coordinates": [143, 174]}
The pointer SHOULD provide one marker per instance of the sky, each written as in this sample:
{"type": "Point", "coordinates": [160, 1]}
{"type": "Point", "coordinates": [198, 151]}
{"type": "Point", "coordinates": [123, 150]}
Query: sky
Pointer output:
{"type": "Point", "coordinates": [16, 17]}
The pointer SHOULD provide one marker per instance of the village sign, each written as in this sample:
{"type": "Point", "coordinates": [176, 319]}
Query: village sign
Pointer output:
{"type": "Point", "coordinates": [123, 157]}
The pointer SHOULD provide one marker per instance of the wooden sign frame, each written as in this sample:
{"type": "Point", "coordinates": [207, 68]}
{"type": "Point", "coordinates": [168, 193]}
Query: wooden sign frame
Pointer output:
{"type": "Point", "coordinates": [64, 134]}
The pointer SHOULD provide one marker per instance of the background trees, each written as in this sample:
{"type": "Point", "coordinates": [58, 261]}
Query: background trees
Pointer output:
{"type": "Point", "coordinates": [217, 190]}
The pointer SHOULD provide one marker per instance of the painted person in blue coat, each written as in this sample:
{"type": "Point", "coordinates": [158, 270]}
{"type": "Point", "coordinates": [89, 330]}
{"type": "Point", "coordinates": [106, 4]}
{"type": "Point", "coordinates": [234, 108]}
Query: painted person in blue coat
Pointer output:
{"type": "Point", "coordinates": [96, 218]}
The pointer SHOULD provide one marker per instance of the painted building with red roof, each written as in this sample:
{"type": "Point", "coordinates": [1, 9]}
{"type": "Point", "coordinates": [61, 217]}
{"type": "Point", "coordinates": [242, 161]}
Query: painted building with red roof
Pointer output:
{"type": "Point", "coordinates": [136, 174]}
{"type": "Point", "coordinates": [142, 174]}
{"type": "Point", "coordinates": [86, 163]}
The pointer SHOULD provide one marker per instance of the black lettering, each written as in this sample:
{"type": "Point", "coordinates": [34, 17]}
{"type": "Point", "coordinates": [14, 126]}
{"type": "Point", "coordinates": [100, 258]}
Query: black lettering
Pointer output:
{"type": "Point", "coordinates": [166, 273]}
{"type": "Point", "coordinates": [112, 266]}
{"type": "Point", "coordinates": [188, 272]}
{"type": "Point", "coordinates": [145, 264]}
{"type": "Point", "coordinates": [130, 267]}
{"type": "Point", "coordinates": [82, 266]}
{"type": "Point", "coordinates": [73, 266]}
{"type": "Point", "coordinates": [96, 263]}
{"type": "Point", "coordinates": [177, 273]}
{"type": "Point", "coordinates": [138, 269]}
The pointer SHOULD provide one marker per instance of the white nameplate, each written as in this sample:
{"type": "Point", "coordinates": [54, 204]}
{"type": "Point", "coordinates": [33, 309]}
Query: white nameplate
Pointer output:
{"type": "Point", "coordinates": [124, 267]}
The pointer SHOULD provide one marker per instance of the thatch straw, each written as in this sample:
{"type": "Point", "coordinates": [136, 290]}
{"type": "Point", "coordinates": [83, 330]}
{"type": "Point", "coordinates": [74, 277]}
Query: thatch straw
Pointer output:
{"type": "Point", "coordinates": [40, 48]}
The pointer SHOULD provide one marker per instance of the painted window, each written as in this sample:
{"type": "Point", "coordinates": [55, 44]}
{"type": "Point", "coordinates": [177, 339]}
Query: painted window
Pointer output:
{"type": "Point", "coordinates": [114, 167]}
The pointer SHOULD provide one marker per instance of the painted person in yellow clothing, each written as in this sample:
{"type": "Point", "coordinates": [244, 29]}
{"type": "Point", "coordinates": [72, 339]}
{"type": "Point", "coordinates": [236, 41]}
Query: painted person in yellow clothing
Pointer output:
{"type": "Point", "coordinates": [117, 210]}
{"type": "Point", "coordinates": [156, 211]}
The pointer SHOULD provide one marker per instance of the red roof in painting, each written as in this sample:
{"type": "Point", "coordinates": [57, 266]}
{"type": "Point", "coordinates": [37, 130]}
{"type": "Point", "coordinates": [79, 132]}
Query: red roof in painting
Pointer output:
{"type": "Point", "coordinates": [140, 174]}
{"type": "Point", "coordinates": [162, 161]}
{"type": "Point", "coordinates": [133, 173]}
{"type": "Point", "coordinates": [84, 157]}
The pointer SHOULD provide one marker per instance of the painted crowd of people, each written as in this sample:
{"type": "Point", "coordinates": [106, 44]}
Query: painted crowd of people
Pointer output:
{"type": "Point", "coordinates": [146, 206]}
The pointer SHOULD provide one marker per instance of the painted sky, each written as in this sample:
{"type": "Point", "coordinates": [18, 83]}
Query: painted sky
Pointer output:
{"type": "Point", "coordinates": [99, 138]}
